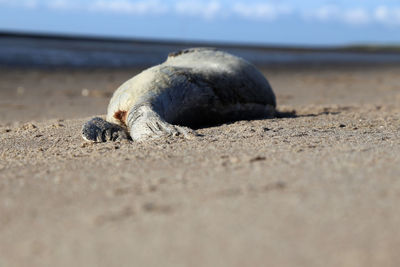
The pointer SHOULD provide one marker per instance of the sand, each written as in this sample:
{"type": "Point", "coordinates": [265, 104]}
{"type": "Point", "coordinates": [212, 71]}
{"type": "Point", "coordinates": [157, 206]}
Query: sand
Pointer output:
{"type": "Point", "coordinates": [320, 188]}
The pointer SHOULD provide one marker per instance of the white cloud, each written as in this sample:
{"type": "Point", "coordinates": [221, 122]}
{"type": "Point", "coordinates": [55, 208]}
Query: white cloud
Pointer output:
{"type": "Point", "coordinates": [30, 3]}
{"type": "Point", "coordinates": [129, 7]}
{"type": "Point", "coordinates": [356, 16]}
{"type": "Point", "coordinates": [261, 10]}
{"type": "Point", "coordinates": [62, 4]}
{"type": "Point", "coordinates": [20, 3]}
{"type": "Point", "coordinates": [206, 10]}
{"type": "Point", "coordinates": [324, 13]}
{"type": "Point", "coordinates": [386, 15]}
{"type": "Point", "coordinates": [381, 13]}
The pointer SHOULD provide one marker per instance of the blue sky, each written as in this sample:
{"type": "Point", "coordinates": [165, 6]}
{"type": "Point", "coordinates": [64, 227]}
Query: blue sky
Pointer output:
{"type": "Point", "coordinates": [287, 22]}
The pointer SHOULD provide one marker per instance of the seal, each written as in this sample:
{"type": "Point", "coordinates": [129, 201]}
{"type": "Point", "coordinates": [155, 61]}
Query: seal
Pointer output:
{"type": "Point", "coordinates": [193, 88]}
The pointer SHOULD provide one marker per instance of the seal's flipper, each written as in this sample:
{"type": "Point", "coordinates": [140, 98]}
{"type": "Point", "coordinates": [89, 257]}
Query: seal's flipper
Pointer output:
{"type": "Point", "coordinates": [160, 128]}
{"type": "Point", "coordinates": [99, 130]}
{"type": "Point", "coordinates": [144, 123]}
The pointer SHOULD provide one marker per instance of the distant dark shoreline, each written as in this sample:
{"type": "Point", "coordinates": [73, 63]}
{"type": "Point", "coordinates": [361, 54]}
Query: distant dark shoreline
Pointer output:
{"type": "Point", "coordinates": [19, 49]}
{"type": "Point", "coordinates": [69, 37]}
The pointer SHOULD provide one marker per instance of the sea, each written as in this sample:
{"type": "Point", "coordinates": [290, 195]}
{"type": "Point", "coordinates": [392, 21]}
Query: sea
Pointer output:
{"type": "Point", "coordinates": [58, 51]}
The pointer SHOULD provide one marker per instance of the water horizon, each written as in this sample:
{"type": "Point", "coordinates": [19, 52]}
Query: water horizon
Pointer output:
{"type": "Point", "coordinates": [51, 50]}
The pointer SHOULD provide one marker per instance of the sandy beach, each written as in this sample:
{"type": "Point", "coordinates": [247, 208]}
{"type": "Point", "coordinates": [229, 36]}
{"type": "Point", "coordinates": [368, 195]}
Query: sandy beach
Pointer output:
{"type": "Point", "coordinates": [320, 188]}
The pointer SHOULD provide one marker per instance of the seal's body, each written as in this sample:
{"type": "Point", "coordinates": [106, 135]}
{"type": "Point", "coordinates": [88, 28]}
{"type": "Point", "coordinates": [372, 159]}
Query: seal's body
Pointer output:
{"type": "Point", "coordinates": [194, 87]}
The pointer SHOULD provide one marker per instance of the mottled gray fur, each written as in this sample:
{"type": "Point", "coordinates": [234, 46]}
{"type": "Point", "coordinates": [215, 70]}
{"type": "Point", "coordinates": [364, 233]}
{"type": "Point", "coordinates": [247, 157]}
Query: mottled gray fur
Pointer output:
{"type": "Point", "coordinates": [192, 88]}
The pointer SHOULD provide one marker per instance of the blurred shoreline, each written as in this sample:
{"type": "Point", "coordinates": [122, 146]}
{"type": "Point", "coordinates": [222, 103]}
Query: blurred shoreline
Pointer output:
{"type": "Point", "coordinates": [67, 51]}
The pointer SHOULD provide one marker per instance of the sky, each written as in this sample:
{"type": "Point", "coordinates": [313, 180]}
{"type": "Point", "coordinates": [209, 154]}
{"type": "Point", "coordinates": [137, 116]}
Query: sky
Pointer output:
{"type": "Point", "coordinates": [273, 22]}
